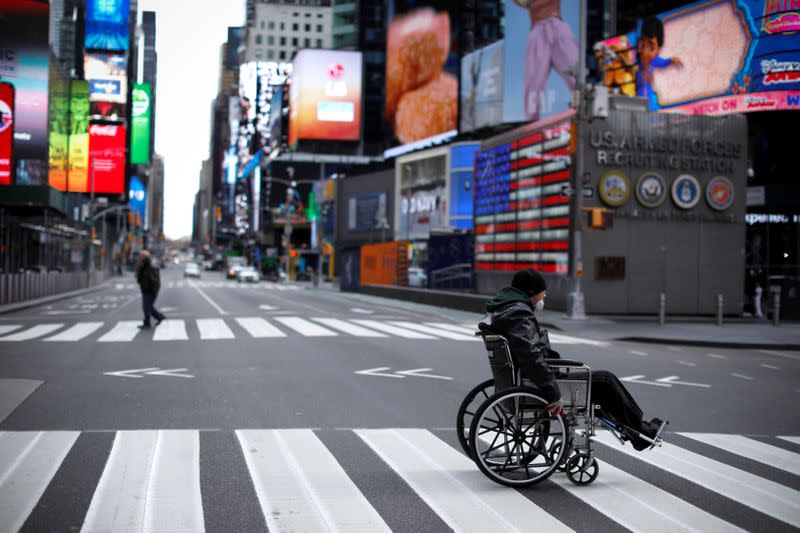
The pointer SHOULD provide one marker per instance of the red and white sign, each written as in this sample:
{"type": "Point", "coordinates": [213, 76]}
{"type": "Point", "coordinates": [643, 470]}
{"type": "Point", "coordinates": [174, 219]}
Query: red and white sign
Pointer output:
{"type": "Point", "coordinates": [6, 131]}
{"type": "Point", "coordinates": [106, 158]}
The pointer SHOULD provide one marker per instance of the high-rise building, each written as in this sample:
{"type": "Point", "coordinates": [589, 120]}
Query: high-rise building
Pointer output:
{"type": "Point", "coordinates": [150, 65]}
{"type": "Point", "coordinates": [156, 196]}
{"type": "Point", "coordinates": [278, 29]}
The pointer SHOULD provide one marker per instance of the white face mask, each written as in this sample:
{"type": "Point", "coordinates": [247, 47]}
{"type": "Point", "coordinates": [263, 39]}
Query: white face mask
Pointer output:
{"type": "Point", "coordinates": [539, 306]}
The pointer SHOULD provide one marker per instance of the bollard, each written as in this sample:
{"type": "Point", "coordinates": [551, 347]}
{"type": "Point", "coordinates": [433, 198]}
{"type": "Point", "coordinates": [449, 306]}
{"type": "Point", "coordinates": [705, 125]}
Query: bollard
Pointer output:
{"type": "Point", "coordinates": [776, 309]}
{"type": "Point", "coordinates": [719, 309]}
{"type": "Point", "coordinates": [662, 309]}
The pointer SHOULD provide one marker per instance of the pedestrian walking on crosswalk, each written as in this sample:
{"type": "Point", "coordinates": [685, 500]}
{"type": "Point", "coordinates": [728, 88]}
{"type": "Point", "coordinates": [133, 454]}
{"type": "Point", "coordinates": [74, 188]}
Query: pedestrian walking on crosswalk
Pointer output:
{"type": "Point", "coordinates": [149, 280]}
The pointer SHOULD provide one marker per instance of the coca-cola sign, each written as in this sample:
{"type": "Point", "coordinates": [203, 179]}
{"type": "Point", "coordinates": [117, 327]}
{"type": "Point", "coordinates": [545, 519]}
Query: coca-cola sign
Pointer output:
{"type": "Point", "coordinates": [106, 159]}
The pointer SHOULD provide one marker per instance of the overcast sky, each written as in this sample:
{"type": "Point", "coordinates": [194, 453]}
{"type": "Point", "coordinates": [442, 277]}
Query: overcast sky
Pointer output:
{"type": "Point", "coordinates": [188, 38]}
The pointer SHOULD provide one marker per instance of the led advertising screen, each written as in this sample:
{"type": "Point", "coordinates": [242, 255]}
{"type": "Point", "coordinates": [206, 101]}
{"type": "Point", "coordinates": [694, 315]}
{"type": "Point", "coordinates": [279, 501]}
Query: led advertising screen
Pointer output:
{"type": "Point", "coordinates": [59, 128]}
{"type": "Point", "coordinates": [137, 197]}
{"type": "Point", "coordinates": [712, 57]}
{"type": "Point", "coordinates": [422, 70]}
{"type": "Point", "coordinates": [140, 124]}
{"type": "Point", "coordinates": [6, 132]}
{"type": "Point", "coordinates": [541, 58]}
{"type": "Point", "coordinates": [107, 77]}
{"type": "Point", "coordinates": [482, 88]}
{"type": "Point", "coordinates": [107, 158]}
{"type": "Point", "coordinates": [78, 136]}
{"type": "Point", "coordinates": [107, 24]}
{"type": "Point", "coordinates": [325, 96]}
{"type": "Point", "coordinates": [24, 59]}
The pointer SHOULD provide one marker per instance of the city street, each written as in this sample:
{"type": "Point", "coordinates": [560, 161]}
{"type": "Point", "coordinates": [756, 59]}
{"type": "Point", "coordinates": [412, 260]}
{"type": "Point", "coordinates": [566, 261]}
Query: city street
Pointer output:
{"type": "Point", "coordinates": [289, 407]}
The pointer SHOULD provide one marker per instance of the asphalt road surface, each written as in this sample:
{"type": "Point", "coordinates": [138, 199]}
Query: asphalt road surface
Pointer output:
{"type": "Point", "coordinates": [287, 407]}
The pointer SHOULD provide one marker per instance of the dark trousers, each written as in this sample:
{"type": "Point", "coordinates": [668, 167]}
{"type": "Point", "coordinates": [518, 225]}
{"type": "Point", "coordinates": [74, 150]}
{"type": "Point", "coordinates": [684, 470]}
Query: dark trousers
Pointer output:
{"type": "Point", "coordinates": [614, 399]}
{"type": "Point", "coordinates": [148, 306]}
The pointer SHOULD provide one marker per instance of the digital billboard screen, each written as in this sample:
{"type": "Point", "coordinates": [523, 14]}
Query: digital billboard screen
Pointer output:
{"type": "Point", "coordinates": [325, 96]}
{"type": "Point", "coordinates": [107, 158]}
{"type": "Point", "coordinates": [711, 57]}
{"type": "Point", "coordinates": [140, 124]}
{"type": "Point", "coordinates": [107, 75]}
{"type": "Point", "coordinates": [137, 196]}
{"type": "Point", "coordinates": [24, 64]}
{"type": "Point", "coordinates": [59, 128]}
{"type": "Point", "coordinates": [422, 70]}
{"type": "Point", "coordinates": [107, 24]}
{"type": "Point", "coordinates": [540, 59]}
{"type": "Point", "coordinates": [78, 136]}
{"type": "Point", "coordinates": [6, 132]}
{"type": "Point", "coordinates": [482, 88]}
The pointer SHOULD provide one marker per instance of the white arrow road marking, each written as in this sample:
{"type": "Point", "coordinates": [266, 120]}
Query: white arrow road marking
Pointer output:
{"type": "Point", "coordinates": [153, 371]}
{"type": "Point", "coordinates": [638, 379]}
{"type": "Point", "coordinates": [419, 373]}
{"type": "Point", "coordinates": [673, 380]}
{"type": "Point", "coordinates": [377, 372]}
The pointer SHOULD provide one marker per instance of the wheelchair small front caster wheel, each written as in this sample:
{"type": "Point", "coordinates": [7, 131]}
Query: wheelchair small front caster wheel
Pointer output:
{"type": "Point", "coordinates": [582, 469]}
{"type": "Point", "coordinates": [555, 451]}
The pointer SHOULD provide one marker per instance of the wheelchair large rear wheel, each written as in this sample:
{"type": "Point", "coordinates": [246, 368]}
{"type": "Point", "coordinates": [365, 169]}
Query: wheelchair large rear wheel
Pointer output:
{"type": "Point", "coordinates": [514, 440]}
{"type": "Point", "coordinates": [466, 412]}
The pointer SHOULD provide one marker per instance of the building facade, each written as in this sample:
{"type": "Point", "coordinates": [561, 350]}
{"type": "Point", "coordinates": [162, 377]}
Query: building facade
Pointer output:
{"type": "Point", "coordinates": [278, 30]}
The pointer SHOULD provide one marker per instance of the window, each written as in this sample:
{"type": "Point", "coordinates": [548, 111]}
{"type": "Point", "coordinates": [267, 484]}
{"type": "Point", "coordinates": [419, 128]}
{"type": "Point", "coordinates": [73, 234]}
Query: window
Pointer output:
{"type": "Point", "coordinates": [319, 28]}
{"type": "Point", "coordinates": [283, 54]}
{"type": "Point", "coordinates": [319, 15]}
{"type": "Point", "coordinates": [294, 41]}
{"type": "Point", "coordinates": [307, 27]}
{"type": "Point", "coordinates": [295, 27]}
{"type": "Point", "coordinates": [270, 39]}
{"type": "Point", "coordinates": [295, 14]}
{"type": "Point", "coordinates": [270, 54]}
{"type": "Point", "coordinates": [271, 25]}
{"type": "Point", "coordinates": [319, 43]}
{"type": "Point", "coordinates": [307, 42]}
{"type": "Point", "coordinates": [283, 26]}
{"type": "Point", "coordinates": [608, 268]}
{"type": "Point", "coordinates": [258, 39]}
{"type": "Point", "coordinates": [262, 24]}
{"type": "Point", "coordinates": [258, 54]}
{"type": "Point", "coordinates": [283, 41]}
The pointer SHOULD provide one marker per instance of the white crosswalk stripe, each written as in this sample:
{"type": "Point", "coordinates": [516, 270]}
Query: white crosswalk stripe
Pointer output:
{"type": "Point", "coordinates": [752, 449]}
{"type": "Point", "coordinates": [259, 328]}
{"type": "Point", "coordinates": [8, 328]}
{"type": "Point", "coordinates": [304, 327]}
{"type": "Point", "coordinates": [347, 327]}
{"type": "Point", "coordinates": [436, 331]}
{"type": "Point", "coordinates": [76, 332]}
{"type": "Point", "coordinates": [394, 330]}
{"type": "Point", "coordinates": [795, 440]}
{"type": "Point", "coordinates": [214, 328]}
{"type": "Point", "coordinates": [171, 330]}
{"type": "Point", "coordinates": [123, 331]}
{"type": "Point", "coordinates": [31, 333]}
{"type": "Point", "coordinates": [150, 480]}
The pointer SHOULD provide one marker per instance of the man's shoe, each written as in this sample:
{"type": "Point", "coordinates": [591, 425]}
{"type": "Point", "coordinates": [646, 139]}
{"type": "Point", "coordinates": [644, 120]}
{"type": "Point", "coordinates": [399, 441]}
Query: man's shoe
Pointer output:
{"type": "Point", "coordinates": [144, 326]}
{"type": "Point", "coordinates": [159, 320]}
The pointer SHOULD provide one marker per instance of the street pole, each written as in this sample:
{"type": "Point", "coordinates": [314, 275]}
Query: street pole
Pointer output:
{"type": "Point", "coordinates": [316, 228]}
{"type": "Point", "coordinates": [576, 309]}
{"type": "Point", "coordinates": [91, 218]}
{"type": "Point", "coordinates": [287, 228]}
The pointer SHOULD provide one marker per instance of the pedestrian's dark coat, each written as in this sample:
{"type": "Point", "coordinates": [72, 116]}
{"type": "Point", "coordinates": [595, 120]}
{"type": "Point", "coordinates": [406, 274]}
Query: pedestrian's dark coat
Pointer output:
{"type": "Point", "coordinates": [148, 278]}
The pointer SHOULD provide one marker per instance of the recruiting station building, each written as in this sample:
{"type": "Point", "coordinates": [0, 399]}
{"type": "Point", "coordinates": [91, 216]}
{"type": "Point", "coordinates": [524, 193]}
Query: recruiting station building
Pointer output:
{"type": "Point", "coordinates": [672, 189]}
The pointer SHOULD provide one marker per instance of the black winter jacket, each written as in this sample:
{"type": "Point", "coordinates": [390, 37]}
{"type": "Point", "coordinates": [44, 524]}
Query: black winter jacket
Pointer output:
{"type": "Point", "coordinates": [511, 315]}
{"type": "Point", "coordinates": [148, 278]}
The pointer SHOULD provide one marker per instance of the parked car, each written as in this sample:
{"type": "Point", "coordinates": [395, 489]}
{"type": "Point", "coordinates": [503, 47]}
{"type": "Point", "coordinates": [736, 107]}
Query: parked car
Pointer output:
{"type": "Point", "coordinates": [417, 277]}
{"type": "Point", "coordinates": [248, 273]}
{"type": "Point", "coordinates": [191, 270]}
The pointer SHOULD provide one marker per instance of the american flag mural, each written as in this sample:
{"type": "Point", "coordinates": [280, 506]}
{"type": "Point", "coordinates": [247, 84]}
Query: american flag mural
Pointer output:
{"type": "Point", "coordinates": [521, 213]}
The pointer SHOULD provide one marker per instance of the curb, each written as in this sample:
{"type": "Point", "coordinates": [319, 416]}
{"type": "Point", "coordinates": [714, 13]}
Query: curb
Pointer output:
{"type": "Point", "coordinates": [711, 344]}
{"type": "Point", "coordinates": [10, 308]}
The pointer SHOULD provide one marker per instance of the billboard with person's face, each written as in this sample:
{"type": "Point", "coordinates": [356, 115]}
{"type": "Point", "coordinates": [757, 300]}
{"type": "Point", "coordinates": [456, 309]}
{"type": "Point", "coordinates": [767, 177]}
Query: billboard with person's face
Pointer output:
{"type": "Point", "coordinates": [24, 64]}
{"type": "Point", "coordinates": [106, 158]}
{"type": "Point", "coordinates": [59, 128]}
{"type": "Point", "coordinates": [422, 70]}
{"type": "Point", "coordinates": [711, 57]}
{"type": "Point", "coordinates": [107, 75]}
{"type": "Point", "coordinates": [325, 96]}
{"type": "Point", "coordinates": [78, 136]}
{"type": "Point", "coordinates": [541, 58]}
{"type": "Point", "coordinates": [107, 24]}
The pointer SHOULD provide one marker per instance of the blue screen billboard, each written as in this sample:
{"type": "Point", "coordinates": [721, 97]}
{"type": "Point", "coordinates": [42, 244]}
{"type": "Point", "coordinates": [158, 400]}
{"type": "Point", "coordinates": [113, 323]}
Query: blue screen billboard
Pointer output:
{"type": "Point", "coordinates": [107, 24]}
{"type": "Point", "coordinates": [138, 197]}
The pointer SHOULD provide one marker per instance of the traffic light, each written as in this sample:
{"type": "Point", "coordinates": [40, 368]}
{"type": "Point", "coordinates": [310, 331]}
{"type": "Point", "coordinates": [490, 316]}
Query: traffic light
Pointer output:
{"type": "Point", "coordinates": [599, 218]}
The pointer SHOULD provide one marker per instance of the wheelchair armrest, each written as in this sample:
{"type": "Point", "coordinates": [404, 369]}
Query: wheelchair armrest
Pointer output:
{"type": "Point", "coordinates": [563, 362]}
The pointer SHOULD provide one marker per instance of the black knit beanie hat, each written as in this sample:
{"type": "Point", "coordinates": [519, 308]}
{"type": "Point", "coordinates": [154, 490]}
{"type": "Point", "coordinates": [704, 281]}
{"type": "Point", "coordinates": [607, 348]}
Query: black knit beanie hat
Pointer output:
{"type": "Point", "coordinates": [529, 281]}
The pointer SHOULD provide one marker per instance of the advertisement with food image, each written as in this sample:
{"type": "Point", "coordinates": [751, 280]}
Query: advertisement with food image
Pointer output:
{"type": "Point", "coordinates": [421, 70]}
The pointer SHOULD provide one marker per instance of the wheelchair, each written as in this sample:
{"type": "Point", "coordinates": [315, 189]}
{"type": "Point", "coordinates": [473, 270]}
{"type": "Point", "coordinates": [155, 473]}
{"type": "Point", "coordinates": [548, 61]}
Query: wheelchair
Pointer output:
{"type": "Point", "coordinates": [504, 427]}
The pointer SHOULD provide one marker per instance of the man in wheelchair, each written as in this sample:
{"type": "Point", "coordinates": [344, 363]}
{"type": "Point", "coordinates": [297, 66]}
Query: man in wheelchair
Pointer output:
{"type": "Point", "coordinates": [512, 314]}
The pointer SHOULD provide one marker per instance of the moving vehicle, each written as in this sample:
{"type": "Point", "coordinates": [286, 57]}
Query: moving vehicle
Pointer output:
{"type": "Point", "coordinates": [248, 273]}
{"type": "Point", "coordinates": [417, 277]}
{"type": "Point", "coordinates": [234, 263]}
{"type": "Point", "coordinates": [191, 271]}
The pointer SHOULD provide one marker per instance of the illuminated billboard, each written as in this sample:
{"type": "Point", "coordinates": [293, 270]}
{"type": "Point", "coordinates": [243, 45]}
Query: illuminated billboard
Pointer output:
{"type": "Point", "coordinates": [140, 124]}
{"type": "Point", "coordinates": [325, 96]}
{"type": "Point", "coordinates": [24, 60]}
{"type": "Point", "coordinates": [421, 71]}
{"type": "Point", "coordinates": [78, 136]}
{"type": "Point", "coordinates": [137, 195]}
{"type": "Point", "coordinates": [107, 75]}
{"type": "Point", "coordinates": [59, 129]}
{"type": "Point", "coordinates": [540, 60]}
{"type": "Point", "coordinates": [107, 24]}
{"type": "Point", "coordinates": [6, 132]}
{"type": "Point", "coordinates": [482, 88]}
{"type": "Point", "coordinates": [712, 57]}
{"type": "Point", "coordinates": [106, 158]}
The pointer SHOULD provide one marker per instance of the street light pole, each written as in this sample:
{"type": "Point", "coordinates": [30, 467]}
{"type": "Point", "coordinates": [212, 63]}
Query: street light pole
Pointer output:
{"type": "Point", "coordinates": [91, 218]}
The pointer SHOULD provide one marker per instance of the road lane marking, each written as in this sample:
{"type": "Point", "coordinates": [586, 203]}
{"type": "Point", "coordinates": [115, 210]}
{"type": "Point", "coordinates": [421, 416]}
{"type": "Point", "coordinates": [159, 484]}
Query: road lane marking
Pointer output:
{"type": "Point", "coordinates": [637, 352]}
{"type": "Point", "coordinates": [741, 376]}
{"type": "Point", "coordinates": [28, 462]}
{"type": "Point", "coordinates": [76, 332]}
{"type": "Point", "coordinates": [763, 495]}
{"type": "Point", "coordinates": [7, 328]}
{"type": "Point", "coordinates": [717, 356]}
{"type": "Point", "coordinates": [794, 357]}
{"type": "Point", "coordinates": [452, 327]}
{"type": "Point", "coordinates": [214, 328]}
{"type": "Point", "coordinates": [301, 486]}
{"type": "Point", "coordinates": [347, 327]}
{"type": "Point", "coordinates": [123, 331]}
{"type": "Point", "coordinates": [751, 449]}
{"type": "Point", "coordinates": [259, 328]}
{"type": "Point", "coordinates": [638, 379]}
{"type": "Point", "coordinates": [674, 349]}
{"type": "Point", "coordinates": [673, 380]}
{"type": "Point", "coordinates": [771, 367]}
{"type": "Point", "coordinates": [435, 331]}
{"type": "Point", "coordinates": [265, 307]}
{"type": "Point", "coordinates": [393, 330]}
{"type": "Point", "coordinates": [794, 440]}
{"type": "Point", "coordinates": [31, 333]}
{"type": "Point", "coordinates": [304, 327]}
{"type": "Point", "coordinates": [451, 485]}
{"type": "Point", "coordinates": [559, 338]}
{"type": "Point", "coordinates": [207, 298]}
{"type": "Point", "coordinates": [640, 506]}
{"type": "Point", "coordinates": [171, 330]}
{"type": "Point", "coordinates": [361, 311]}
{"type": "Point", "coordinates": [686, 363]}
